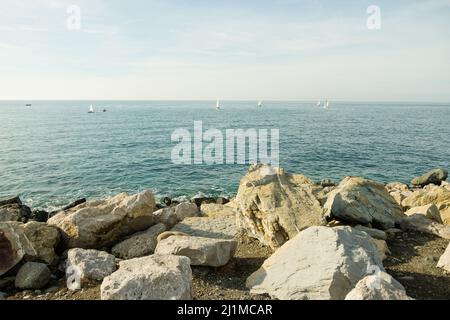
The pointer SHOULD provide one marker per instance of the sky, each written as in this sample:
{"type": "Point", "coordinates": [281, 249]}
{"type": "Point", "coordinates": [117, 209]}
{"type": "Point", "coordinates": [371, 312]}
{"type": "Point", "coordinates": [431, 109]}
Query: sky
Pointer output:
{"type": "Point", "coordinates": [228, 49]}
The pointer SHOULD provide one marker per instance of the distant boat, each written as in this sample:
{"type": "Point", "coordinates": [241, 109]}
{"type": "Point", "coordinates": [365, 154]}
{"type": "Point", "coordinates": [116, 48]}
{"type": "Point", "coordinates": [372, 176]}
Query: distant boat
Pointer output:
{"type": "Point", "coordinates": [218, 104]}
{"type": "Point", "coordinates": [28, 105]}
{"type": "Point", "coordinates": [319, 104]}
{"type": "Point", "coordinates": [327, 104]}
{"type": "Point", "coordinates": [104, 110]}
{"type": "Point", "coordinates": [91, 109]}
{"type": "Point", "coordinates": [260, 104]}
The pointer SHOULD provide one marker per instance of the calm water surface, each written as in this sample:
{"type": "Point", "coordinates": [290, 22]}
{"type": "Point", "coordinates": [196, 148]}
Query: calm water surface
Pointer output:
{"type": "Point", "coordinates": [55, 152]}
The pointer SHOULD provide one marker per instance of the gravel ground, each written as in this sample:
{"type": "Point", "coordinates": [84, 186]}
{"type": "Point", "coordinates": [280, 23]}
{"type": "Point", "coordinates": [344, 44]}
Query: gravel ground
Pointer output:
{"type": "Point", "coordinates": [413, 263]}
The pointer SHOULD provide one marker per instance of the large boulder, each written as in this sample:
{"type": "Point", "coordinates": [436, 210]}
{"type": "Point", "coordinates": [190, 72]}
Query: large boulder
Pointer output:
{"type": "Point", "coordinates": [44, 239]}
{"type": "Point", "coordinates": [420, 223]}
{"type": "Point", "coordinates": [274, 206]}
{"type": "Point", "coordinates": [140, 244]}
{"type": "Point", "coordinates": [439, 196]}
{"type": "Point", "coordinates": [320, 263]}
{"type": "Point", "coordinates": [172, 215]}
{"type": "Point", "coordinates": [362, 201]}
{"type": "Point", "coordinates": [444, 261]}
{"type": "Point", "coordinates": [32, 275]}
{"type": "Point", "coordinates": [12, 209]}
{"type": "Point", "coordinates": [14, 245]}
{"type": "Point", "coordinates": [89, 265]}
{"type": "Point", "coordinates": [380, 286]}
{"type": "Point", "coordinates": [430, 211]}
{"type": "Point", "coordinates": [156, 277]}
{"type": "Point", "coordinates": [435, 176]}
{"type": "Point", "coordinates": [101, 223]}
{"type": "Point", "coordinates": [201, 251]}
{"type": "Point", "coordinates": [217, 227]}
{"type": "Point", "coordinates": [217, 210]}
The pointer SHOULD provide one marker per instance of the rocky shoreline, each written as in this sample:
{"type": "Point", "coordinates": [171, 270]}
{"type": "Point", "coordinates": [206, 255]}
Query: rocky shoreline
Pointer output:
{"type": "Point", "coordinates": [282, 236]}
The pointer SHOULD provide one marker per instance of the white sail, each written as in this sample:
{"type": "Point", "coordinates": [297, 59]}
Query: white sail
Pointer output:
{"type": "Point", "coordinates": [218, 104]}
{"type": "Point", "coordinates": [319, 103]}
{"type": "Point", "coordinates": [260, 104]}
{"type": "Point", "coordinates": [91, 109]}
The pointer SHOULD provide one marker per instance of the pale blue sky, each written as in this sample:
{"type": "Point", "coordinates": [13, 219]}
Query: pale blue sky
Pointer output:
{"type": "Point", "coordinates": [205, 49]}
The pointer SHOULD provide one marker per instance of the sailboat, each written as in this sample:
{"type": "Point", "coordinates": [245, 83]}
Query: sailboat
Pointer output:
{"type": "Point", "coordinates": [327, 104]}
{"type": "Point", "coordinates": [91, 109]}
{"type": "Point", "coordinates": [260, 104]}
{"type": "Point", "coordinates": [319, 103]}
{"type": "Point", "coordinates": [218, 104]}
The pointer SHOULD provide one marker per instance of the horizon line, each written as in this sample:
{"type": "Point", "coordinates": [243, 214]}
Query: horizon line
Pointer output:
{"type": "Point", "coordinates": [231, 100]}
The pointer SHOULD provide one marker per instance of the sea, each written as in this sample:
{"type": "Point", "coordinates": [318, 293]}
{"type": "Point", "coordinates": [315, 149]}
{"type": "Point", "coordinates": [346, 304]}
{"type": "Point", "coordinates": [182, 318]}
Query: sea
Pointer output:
{"type": "Point", "coordinates": [55, 152]}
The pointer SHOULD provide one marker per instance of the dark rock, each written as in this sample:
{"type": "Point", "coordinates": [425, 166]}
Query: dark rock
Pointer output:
{"type": "Point", "coordinates": [167, 201]}
{"type": "Point", "coordinates": [15, 212]}
{"type": "Point", "coordinates": [7, 283]}
{"type": "Point", "coordinates": [327, 183]}
{"type": "Point", "coordinates": [70, 206]}
{"type": "Point", "coordinates": [201, 200]}
{"type": "Point", "coordinates": [33, 275]}
{"type": "Point", "coordinates": [435, 176]}
{"type": "Point", "coordinates": [40, 215]}
{"type": "Point", "coordinates": [9, 200]}
{"type": "Point", "coordinates": [222, 200]}
{"type": "Point", "coordinates": [75, 204]}
{"type": "Point", "coordinates": [175, 203]}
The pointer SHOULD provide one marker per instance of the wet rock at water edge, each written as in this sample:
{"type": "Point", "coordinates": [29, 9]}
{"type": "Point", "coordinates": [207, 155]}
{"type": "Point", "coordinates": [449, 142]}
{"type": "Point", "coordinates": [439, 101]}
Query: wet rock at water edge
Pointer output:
{"type": "Point", "coordinates": [96, 224]}
{"type": "Point", "coordinates": [222, 200]}
{"type": "Point", "coordinates": [167, 201]}
{"type": "Point", "coordinates": [435, 176]}
{"type": "Point", "coordinates": [201, 200]}
{"type": "Point", "coordinates": [327, 183]}
{"type": "Point", "coordinates": [12, 209]}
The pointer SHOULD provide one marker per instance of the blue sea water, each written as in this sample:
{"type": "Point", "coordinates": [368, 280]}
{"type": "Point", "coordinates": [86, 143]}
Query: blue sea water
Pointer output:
{"type": "Point", "coordinates": [55, 152]}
